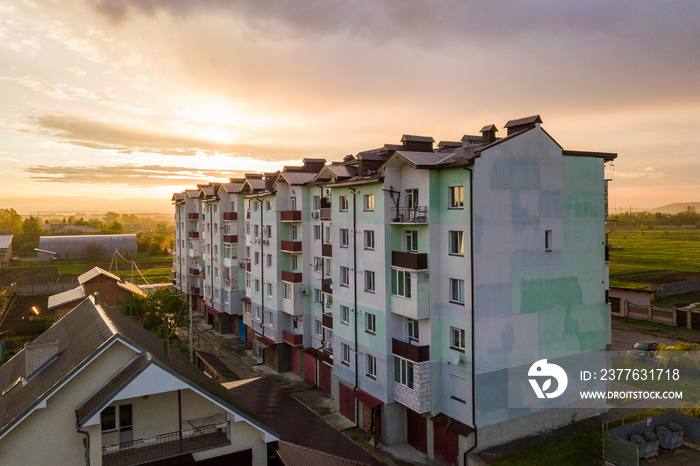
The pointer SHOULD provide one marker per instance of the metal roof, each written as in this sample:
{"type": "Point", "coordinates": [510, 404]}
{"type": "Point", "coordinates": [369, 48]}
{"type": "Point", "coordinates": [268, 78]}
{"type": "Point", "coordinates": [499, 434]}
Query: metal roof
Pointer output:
{"type": "Point", "coordinates": [5, 241]}
{"type": "Point", "coordinates": [524, 121]}
{"type": "Point", "coordinates": [94, 273]}
{"type": "Point", "coordinates": [297, 178]}
{"type": "Point", "coordinates": [76, 294]}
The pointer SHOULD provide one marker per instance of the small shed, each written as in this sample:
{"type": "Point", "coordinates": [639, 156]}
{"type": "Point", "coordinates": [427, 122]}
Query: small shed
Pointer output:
{"type": "Point", "coordinates": [5, 248]}
{"type": "Point", "coordinates": [42, 255]}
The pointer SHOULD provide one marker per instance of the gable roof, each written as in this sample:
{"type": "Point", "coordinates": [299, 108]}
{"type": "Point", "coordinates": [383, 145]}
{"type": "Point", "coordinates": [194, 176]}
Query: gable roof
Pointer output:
{"type": "Point", "coordinates": [94, 273]}
{"type": "Point", "coordinates": [5, 241]}
{"type": "Point", "coordinates": [76, 294]}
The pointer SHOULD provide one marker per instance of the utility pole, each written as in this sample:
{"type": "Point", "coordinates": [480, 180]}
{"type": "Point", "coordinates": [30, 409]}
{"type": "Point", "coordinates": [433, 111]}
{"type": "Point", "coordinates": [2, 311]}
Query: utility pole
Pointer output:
{"type": "Point", "coordinates": [132, 271]}
{"type": "Point", "coordinates": [189, 298]}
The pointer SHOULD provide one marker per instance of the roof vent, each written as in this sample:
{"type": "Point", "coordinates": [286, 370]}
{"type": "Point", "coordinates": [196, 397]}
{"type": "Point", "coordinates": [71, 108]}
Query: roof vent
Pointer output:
{"type": "Point", "coordinates": [469, 140]}
{"type": "Point", "coordinates": [38, 353]}
{"type": "Point", "coordinates": [520, 124]}
{"type": "Point", "coordinates": [488, 134]}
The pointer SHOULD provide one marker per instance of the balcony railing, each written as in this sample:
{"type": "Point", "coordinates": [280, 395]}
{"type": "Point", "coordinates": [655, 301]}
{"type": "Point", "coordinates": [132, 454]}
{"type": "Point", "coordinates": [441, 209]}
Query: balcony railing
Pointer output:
{"type": "Point", "coordinates": [194, 272]}
{"type": "Point", "coordinates": [291, 246]}
{"type": "Point", "coordinates": [166, 445]}
{"type": "Point", "coordinates": [292, 277]}
{"type": "Point", "coordinates": [193, 216]}
{"type": "Point", "coordinates": [327, 286]}
{"type": "Point", "coordinates": [413, 214]}
{"type": "Point", "coordinates": [411, 352]}
{"type": "Point", "coordinates": [325, 213]}
{"type": "Point", "coordinates": [231, 239]}
{"type": "Point", "coordinates": [195, 290]}
{"type": "Point", "coordinates": [327, 250]}
{"type": "Point", "coordinates": [230, 216]}
{"type": "Point", "coordinates": [409, 260]}
{"type": "Point", "coordinates": [193, 235]}
{"type": "Point", "coordinates": [293, 339]}
{"type": "Point", "coordinates": [290, 216]}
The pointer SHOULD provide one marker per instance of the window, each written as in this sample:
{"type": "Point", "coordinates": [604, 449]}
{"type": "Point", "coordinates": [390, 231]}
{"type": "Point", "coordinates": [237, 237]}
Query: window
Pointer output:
{"type": "Point", "coordinates": [268, 231]}
{"type": "Point", "coordinates": [268, 206]}
{"type": "Point", "coordinates": [456, 194]}
{"type": "Point", "coordinates": [257, 258]}
{"type": "Point", "coordinates": [371, 366]}
{"type": "Point", "coordinates": [457, 290]}
{"type": "Point", "coordinates": [456, 242]}
{"type": "Point", "coordinates": [256, 231]}
{"type": "Point", "coordinates": [344, 314]}
{"type": "Point", "coordinates": [370, 323]}
{"type": "Point", "coordinates": [413, 333]}
{"type": "Point", "coordinates": [257, 285]}
{"type": "Point", "coordinates": [411, 241]}
{"type": "Point", "coordinates": [343, 203]}
{"type": "Point", "coordinates": [268, 318]}
{"type": "Point", "coordinates": [548, 240]}
{"type": "Point", "coordinates": [318, 296]}
{"type": "Point", "coordinates": [411, 198]}
{"type": "Point", "coordinates": [327, 267]}
{"type": "Point", "coordinates": [247, 228]}
{"type": "Point", "coordinates": [247, 280]}
{"type": "Point", "coordinates": [369, 202]}
{"type": "Point", "coordinates": [316, 202]}
{"type": "Point", "coordinates": [117, 418]}
{"type": "Point", "coordinates": [369, 239]}
{"type": "Point", "coordinates": [318, 329]}
{"type": "Point", "coordinates": [345, 354]}
{"type": "Point", "coordinates": [258, 313]}
{"type": "Point", "coordinates": [457, 338]}
{"type": "Point", "coordinates": [108, 418]}
{"type": "Point", "coordinates": [225, 296]}
{"type": "Point", "coordinates": [328, 339]}
{"type": "Point", "coordinates": [293, 232]}
{"type": "Point", "coordinates": [247, 252]}
{"type": "Point", "coordinates": [295, 262]}
{"type": "Point", "coordinates": [327, 238]}
{"type": "Point", "coordinates": [369, 280]}
{"type": "Point", "coordinates": [269, 260]}
{"type": "Point", "coordinates": [344, 238]}
{"type": "Point", "coordinates": [292, 203]}
{"type": "Point", "coordinates": [317, 232]}
{"type": "Point", "coordinates": [287, 291]}
{"type": "Point", "coordinates": [401, 283]}
{"type": "Point", "coordinates": [216, 272]}
{"type": "Point", "coordinates": [317, 264]}
{"type": "Point", "coordinates": [403, 372]}
{"type": "Point", "coordinates": [269, 289]}
{"type": "Point", "coordinates": [255, 206]}
{"type": "Point", "coordinates": [344, 276]}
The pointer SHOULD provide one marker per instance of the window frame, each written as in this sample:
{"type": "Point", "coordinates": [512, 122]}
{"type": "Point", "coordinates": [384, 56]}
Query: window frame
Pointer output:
{"type": "Point", "coordinates": [455, 197]}
{"type": "Point", "coordinates": [344, 314]}
{"type": "Point", "coordinates": [343, 203]}
{"type": "Point", "coordinates": [344, 239]}
{"type": "Point", "coordinates": [368, 203]}
{"type": "Point", "coordinates": [450, 242]}
{"type": "Point", "coordinates": [370, 279]}
{"type": "Point", "coordinates": [413, 330]}
{"type": "Point", "coordinates": [369, 235]}
{"type": "Point", "coordinates": [345, 354]}
{"type": "Point", "coordinates": [397, 280]}
{"type": "Point", "coordinates": [370, 323]}
{"type": "Point", "coordinates": [457, 299]}
{"type": "Point", "coordinates": [344, 275]}
{"type": "Point", "coordinates": [404, 372]}
{"type": "Point", "coordinates": [458, 339]}
{"type": "Point", "coordinates": [371, 366]}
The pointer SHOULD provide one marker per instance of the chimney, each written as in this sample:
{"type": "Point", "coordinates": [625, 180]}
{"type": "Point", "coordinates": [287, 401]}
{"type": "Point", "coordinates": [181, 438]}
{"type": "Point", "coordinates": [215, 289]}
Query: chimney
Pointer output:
{"type": "Point", "coordinates": [520, 124]}
{"type": "Point", "coordinates": [97, 298]}
{"type": "Point", "coordinates": [488, 134]}
{"type": "Point", "coordinates": [37, 353]}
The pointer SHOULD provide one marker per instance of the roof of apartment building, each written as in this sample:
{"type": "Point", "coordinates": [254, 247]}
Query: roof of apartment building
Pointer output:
{"type": "Point", "coordinates": [305, 438]}
{"type": "Point", "coordinates": [81, 336]}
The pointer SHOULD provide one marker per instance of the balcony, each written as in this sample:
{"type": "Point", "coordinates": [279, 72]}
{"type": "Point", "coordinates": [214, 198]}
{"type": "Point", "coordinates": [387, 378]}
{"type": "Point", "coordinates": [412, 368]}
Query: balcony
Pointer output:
{"type": "Point", "coordinates": [411, 352]}
{"type": "Point", "coordinates": [230, 216]}
{"type": "Point", "coordinates": [193, 216]}
{"type": "Point", "coordinates": [291, 247]}
{"type": "Point", "coordinates": [291, 277]}
{"type": "Point", "coordinates": [195, 290]}
{"type": "Point", "coordinates": [290, 216]}
{"type": "Point", "coordinates": [327, 250]}
{"type": "Point", "coordinates": [292, 339]}
{"type": "Point", "coordinates": [409, 260]}
{"type": "Point", "coordinates": [194, 272]}
{"type": "Point", "coordinates": [327, 320]}
{"type": "Point", "coordinates": [231, 239]}
{"type": "Point", "coordinates": [414, 304]}
{"type": "Point", "coordinates": [193, 235]}
{"type": "Point", "coordinates": [325, 213]}
{"type": "Point", "coordinates": [327, 286]}
{"type": "Point", "coordinates": [166, 445]}
{"type": "Point", "coordinates": [230, 261]}
{"type": "Point", "coordinates": [411, 215]}
{"type": "Point", "coordinates": [194, 251]}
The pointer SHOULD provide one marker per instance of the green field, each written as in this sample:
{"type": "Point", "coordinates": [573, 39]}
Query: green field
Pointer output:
{"type": "Point", "coordinates": [653, 257]}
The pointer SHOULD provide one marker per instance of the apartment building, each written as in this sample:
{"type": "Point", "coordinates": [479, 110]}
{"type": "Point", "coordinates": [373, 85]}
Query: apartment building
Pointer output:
{"type": "Point", "coordinates": [403, 280]}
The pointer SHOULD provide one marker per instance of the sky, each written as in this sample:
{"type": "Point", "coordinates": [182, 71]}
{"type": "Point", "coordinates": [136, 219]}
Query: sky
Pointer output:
{"type": "Point", "coordinates": [116, 104]}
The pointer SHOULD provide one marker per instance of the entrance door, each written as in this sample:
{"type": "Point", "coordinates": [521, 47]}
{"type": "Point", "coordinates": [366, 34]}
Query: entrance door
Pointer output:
{"type": "Point", "coordinates": [445, 445]}
{"type": "Point", "coordinates": [324, 377]}
{"type": "Point", "coordinates": [346, 401]}
{"type": "Point", "coordinates": [126, 423]}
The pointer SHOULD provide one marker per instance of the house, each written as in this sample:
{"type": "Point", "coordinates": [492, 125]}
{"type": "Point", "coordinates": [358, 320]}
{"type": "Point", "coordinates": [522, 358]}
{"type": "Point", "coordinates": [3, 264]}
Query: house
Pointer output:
{"type": "Point", "coordinates": [112, 291]}
{"type": "Point", "coordinates": [96, 388]}
{"type": "Point", "coordinates": [402, 279]}
{"type": "Point", "coordinates": [5, 249]}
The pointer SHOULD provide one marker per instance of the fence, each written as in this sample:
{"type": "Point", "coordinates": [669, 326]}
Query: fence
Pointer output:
{"type": "Point", "coordinates": [47, 289]}
{"type": "Point", "coordinates": [670, 289]}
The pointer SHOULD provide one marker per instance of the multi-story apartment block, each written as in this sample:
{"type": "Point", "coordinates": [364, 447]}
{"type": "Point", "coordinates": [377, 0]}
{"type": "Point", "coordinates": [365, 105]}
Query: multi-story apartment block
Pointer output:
{"type": "Point", "coordinates": [403, 280]}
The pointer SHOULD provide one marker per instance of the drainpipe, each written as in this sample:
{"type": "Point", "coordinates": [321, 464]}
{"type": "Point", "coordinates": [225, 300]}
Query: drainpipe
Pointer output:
{"type": "Point", "coordinates": [354, 268]}
{"type": "Point", "coordinates": [471, 247]}
{"type": "Point", "coordinates": [262, 274]}
{"type": "Point", "coordinates": [86, 440]}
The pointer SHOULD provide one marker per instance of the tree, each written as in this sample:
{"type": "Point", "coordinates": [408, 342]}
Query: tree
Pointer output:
{"type": "Point", "coordinates": [151, 309]}
{"type": "Point", "coordinates": [10, 221]}
{"type": "Point", "coordinates": [28, 237]}
{"type": "Point", "coordinates": [110, 217]}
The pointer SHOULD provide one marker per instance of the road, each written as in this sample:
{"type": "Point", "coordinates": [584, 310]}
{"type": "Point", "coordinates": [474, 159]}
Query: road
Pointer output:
{"type": "Point", "coordinates": [623, 340]}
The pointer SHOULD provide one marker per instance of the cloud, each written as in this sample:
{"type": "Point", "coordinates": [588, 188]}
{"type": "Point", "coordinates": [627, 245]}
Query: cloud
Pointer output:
{"type": "Point", "coordinates": [127, 174]}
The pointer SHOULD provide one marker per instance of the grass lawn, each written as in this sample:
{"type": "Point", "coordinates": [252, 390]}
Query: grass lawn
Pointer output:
{"type": "Point", "coordinates": [582, 448]}
{"type": "Point", "coordinates": [653, 256]}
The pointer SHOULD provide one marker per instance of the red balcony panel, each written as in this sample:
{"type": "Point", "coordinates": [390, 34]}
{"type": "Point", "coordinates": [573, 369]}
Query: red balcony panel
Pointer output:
{"type": "Point", "coordinates": [195, 290]}
{"type": "Point", "coordinates": [290, 216]}
{"type": "Point", "coordinates": [230, 216]}
{"type": "Point", "coordinates": [193, 234]}
{"type": "Point", "coordinates": [248, 267]}
{"type": "Point", "coordinates": [409, 260]}
{"type": "Point", "coordinates": [292, 339]}
{"type": "Point", "coordinates": [291, 246]}
{"type": "Point", "coordinates": [327, 286]}
{"type": "Point", "coordinates": [327, 320]}
{"type": "Point", "coordinates": [194, 272]}
{"type": "Point", "coordinates": [193, 216]}
{"type": "Point", "coordinates": [291, 277]}
{"type": "Point", "coordinates": [411, 352]}
{"type": "Point", "coordinates": [231, 239]}
{"type": "Point", "coordinates": [327, 250]}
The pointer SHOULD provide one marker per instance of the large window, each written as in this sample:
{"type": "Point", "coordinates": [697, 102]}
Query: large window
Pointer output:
{"type": "Point", "coordinates": [401, 283]}
{"type": "Point", "coordinates": [458, 338]}
{"type": "Point", "coordinates": [403, 372]}
{"type": "Point", "coordinates": [457, 290]}
{"type": "Point", "coordinates": [371, 366]}
{"type": "Point", "coordinates": [344, 240]}
{"type": "Point", "coordinates": [345, 354]}
{"type": "Point", "coordinates": [343, 203]}
{"type": "Point", "coordinates": [370, 323]}
{"type": "Point", "coordinates": [369, 280]}
{"type": "Point", "coordinates": [344, 314]}
{"type": "Point", "coordinates": [369, 202]}
{"type": "Point", "coordinates": [456, 242]}
{"type": "Point", "coordinates": [456, 195]}
{"type": "Point", "coordinates": [344, 276]}
{"type": "Point", "coordinates": [369, 239]}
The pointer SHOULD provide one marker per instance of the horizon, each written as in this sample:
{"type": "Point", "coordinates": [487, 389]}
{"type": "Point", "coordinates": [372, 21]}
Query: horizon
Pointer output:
{"type": "Point", "coordinates": [119, 105]}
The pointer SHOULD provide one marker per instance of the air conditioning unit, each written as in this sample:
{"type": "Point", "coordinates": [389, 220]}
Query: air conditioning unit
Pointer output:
{"type": "Point", "coordinates": [315, 214]}
{"type": "Point", "coordinates": [241, 265]}
{"type": "Point", "coordinates": [266, 242]}
{"type": "Point", "coordinates": [304, 292]}
{"type": "Point", "coordinates": [328, 192]}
